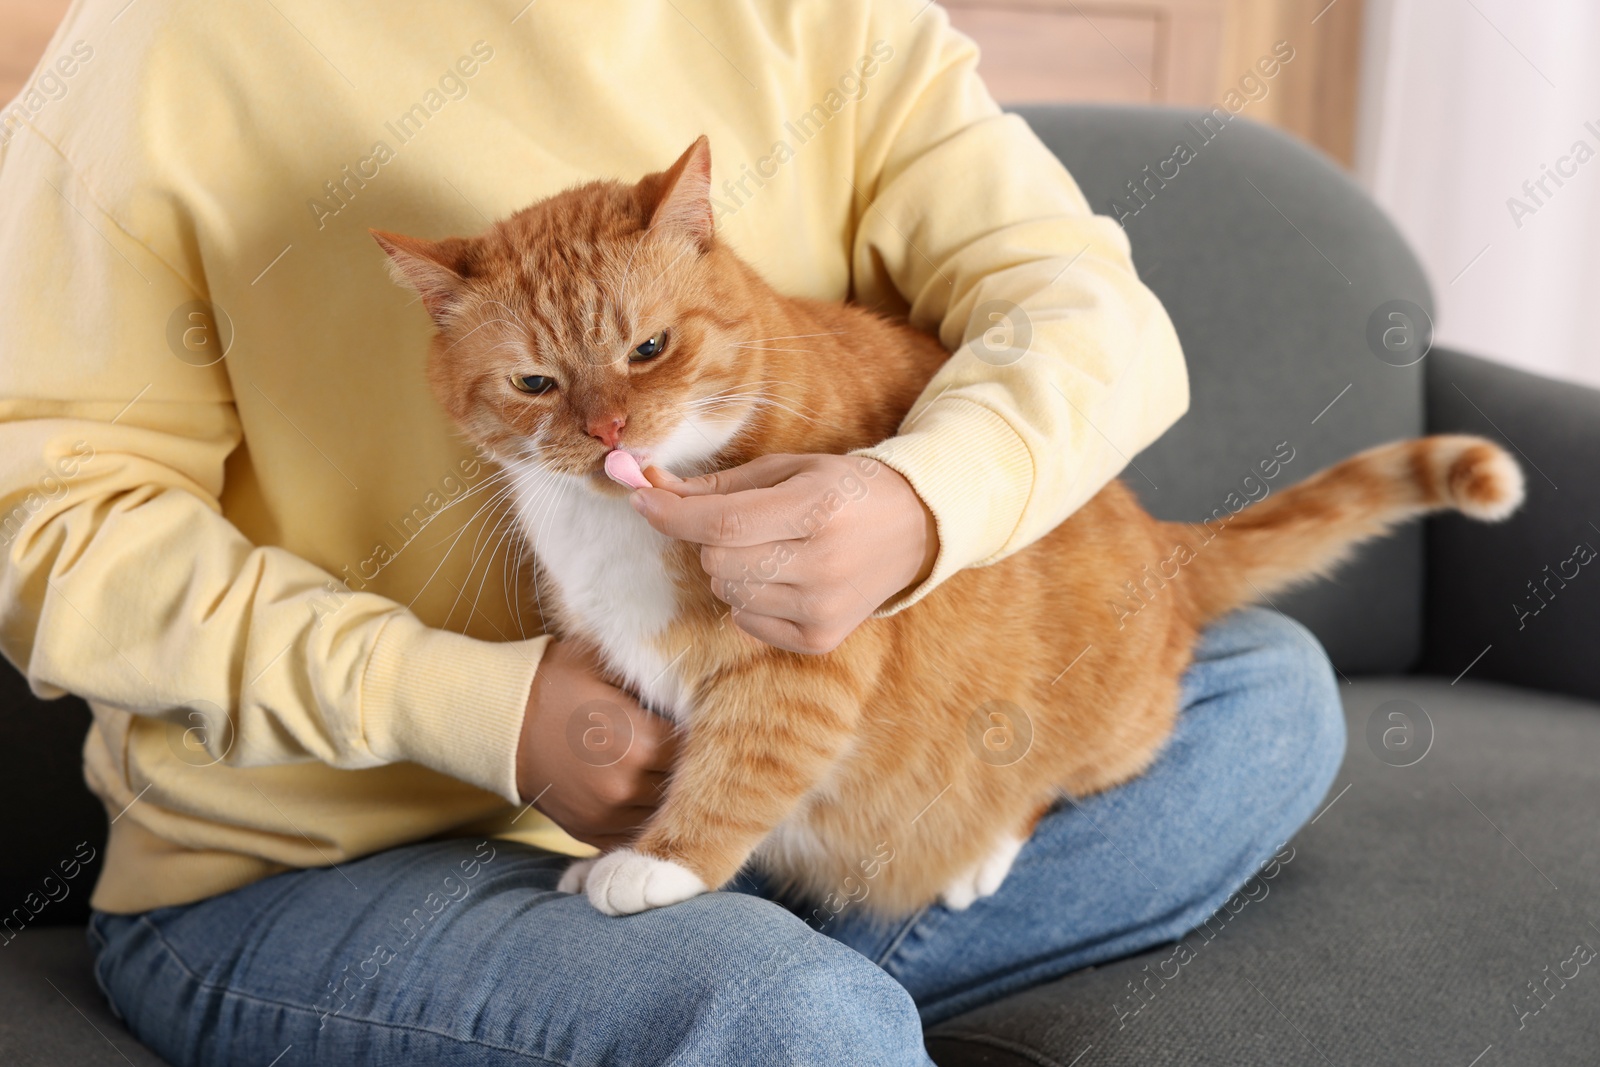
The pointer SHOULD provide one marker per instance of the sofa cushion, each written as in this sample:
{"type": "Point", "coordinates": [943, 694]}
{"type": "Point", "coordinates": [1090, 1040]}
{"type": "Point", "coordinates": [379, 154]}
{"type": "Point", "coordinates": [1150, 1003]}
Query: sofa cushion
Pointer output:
{"type": "Point", "coordinates": [1272, 265]}
{"type": "Point", "coordinates": [1416, 910]}
{"type": "Point", "coordinates": [54, 1014]}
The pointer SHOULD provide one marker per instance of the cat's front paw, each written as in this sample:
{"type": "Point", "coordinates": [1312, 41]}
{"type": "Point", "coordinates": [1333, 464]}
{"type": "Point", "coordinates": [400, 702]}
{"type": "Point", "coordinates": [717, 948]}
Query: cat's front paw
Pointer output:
{"type": "Point", "coordinates": [626, 882]}
{"type": "Point", "coordinates": [575, 876]}
{"type": "Point", "coordinates": [983, 879]}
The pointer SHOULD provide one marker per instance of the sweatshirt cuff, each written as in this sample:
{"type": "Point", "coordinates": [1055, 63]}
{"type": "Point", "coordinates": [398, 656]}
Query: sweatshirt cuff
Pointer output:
{"type": "Point", "coordinates": [449, 702]}
{"type": "Point", "coordinates": [973, 472]}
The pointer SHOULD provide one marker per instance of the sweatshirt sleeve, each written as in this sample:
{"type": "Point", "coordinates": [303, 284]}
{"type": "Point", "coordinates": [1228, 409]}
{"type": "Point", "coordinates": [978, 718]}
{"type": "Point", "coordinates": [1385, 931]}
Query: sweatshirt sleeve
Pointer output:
{"type": "Point", "coordinates": [120, 578]}
{"type": "Point", "coordinates": [1063, 365]}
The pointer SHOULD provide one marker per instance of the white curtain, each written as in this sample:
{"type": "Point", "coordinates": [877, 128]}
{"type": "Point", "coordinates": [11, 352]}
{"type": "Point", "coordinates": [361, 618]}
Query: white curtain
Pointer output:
{"type": "Point", "coordinates": [1479, 133]}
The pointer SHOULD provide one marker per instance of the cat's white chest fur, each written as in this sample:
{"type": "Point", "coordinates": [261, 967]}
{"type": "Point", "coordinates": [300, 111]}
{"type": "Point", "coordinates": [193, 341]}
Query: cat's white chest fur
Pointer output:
{"type": "Point", "coordinates": [611, 570]}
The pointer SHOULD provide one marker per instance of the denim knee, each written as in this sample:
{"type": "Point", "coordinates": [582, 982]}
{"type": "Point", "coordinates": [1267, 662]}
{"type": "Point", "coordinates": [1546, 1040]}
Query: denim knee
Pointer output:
{"type": "Point", "coordinates": [1295, 701]}
{"type": "Point", "coordinates": [1318, 714]}
{"type": "Point", "coordinates": [771, 990]}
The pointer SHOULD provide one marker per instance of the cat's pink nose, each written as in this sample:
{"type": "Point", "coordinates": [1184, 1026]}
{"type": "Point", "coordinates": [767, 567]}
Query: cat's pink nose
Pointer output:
{"type": "Point", "coordinates": [607, 429]}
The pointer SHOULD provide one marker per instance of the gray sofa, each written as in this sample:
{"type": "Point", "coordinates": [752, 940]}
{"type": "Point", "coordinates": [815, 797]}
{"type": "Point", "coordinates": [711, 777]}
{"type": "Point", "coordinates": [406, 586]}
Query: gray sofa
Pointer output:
{"type": "Point", "coordinates": [1457, 861]}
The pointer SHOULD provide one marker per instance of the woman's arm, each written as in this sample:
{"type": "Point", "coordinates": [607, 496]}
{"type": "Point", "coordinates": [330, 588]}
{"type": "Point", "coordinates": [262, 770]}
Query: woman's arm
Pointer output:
{"type": "Point", "coordinates": [1063, 364]}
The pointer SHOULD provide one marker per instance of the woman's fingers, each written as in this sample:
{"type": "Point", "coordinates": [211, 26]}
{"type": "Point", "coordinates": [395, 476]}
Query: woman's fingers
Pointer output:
{"type": "Point", "coordinates": [760, 473]}
{"type": "Point", "coordinates": [751, 517]}
{"type": "Point", "coordinates": [791, 636]}
{"type": "Point", "coordinates": [773, 563]}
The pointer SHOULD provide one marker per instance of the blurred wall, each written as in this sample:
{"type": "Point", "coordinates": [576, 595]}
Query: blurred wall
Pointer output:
{"type": "Point", "coordinates": [1479, 132]}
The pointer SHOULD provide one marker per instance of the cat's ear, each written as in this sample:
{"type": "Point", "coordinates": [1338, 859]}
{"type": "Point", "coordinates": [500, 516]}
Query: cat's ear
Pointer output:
{"type": "Point", "coordinates": [683, 196]}
{"type": "Point", "coordinates": [435, 269]}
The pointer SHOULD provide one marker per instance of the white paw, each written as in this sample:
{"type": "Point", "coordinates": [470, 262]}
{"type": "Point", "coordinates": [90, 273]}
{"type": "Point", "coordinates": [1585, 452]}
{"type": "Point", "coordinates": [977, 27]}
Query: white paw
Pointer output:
{"type": "Point", "coordinates": [573, 878]}
{"type": "Point", "coordinates": [626, 882]}
{"type": "Point", "coordinates": [983, 879]}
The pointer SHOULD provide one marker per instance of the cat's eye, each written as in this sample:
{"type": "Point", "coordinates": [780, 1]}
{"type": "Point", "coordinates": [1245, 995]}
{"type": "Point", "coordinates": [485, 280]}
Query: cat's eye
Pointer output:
{"type": "Point", "coordinates": [533, 384]}
{"type": "Point", "coordinates": [650, 349]}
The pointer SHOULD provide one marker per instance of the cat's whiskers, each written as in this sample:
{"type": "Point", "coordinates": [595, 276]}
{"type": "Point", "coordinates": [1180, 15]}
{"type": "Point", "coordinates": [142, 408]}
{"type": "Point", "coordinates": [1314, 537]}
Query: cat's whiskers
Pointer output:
{"type": "Point", "coordinates": [718, 401]}
{"type": "Point", "coordinates": [498, 477]}
{"type": "Point", "coordinates": [757, 344]}
{"type": "Point", "coordinates": [544, 503]}
{"type": "Point", "coordinates": [519, 482]}
{"type": "Point", "coordinates": [749, 389]}
{"type": "Point", "coordinates": [756, 400]}
{"type": "Point", "coordinates": [506, 487]}
{"type": "Point", "coordinates": [505, 482]}
{"type": "Point", "coordinates": [555, 506]}
{"type": "Point", "coordinates": [756, 382]}
{"type": "Point", "coordinates": [724, 409]}
{"type": "Point", "coordinates": [740, 392]}
{"type": "Point", "coordinates": [509, 583]}
{"type": "Point", "coordinates": [786, 337]}
{"type": "Point", "coordinates": [510, 586]}
{"type": "Point", "coordinates": [720, 407]}
{"type": "Point", "coordinates": [461, 591]}
{"type": "Point", "coordinates": [504, 494]}
{"type": "Point", "coordinates": [508, 573]}
{"type": "Point", "coordinates": [770, 402]}
{"type": "Point", "coordinates": [762, 381]}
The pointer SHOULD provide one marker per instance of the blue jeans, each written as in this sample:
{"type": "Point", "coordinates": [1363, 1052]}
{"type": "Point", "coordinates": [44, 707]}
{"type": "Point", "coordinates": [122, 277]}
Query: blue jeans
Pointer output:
{"type": "Point", "coordinates": [462, 952]}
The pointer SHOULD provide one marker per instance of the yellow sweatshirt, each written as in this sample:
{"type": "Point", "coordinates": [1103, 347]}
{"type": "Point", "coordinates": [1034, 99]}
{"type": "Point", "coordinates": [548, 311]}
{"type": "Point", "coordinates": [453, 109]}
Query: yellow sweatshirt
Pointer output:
{"type": "Point", "coordinates": [234, 519]}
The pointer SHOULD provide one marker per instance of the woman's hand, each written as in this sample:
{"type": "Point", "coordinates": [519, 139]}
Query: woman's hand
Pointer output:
{"type": "Point", "coordinates": [590, 757]}
{"type": "Point", "coordinates": [801, 548]}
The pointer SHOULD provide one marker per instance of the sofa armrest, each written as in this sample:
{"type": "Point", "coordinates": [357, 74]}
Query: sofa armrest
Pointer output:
{"type": "Point", "coordinates": [1518, 602]}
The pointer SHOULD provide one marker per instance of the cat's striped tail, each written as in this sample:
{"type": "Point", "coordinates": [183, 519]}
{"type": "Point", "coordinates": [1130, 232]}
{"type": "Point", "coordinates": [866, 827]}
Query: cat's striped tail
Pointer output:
{"type": "Point", "coordinates": [1304, 531]}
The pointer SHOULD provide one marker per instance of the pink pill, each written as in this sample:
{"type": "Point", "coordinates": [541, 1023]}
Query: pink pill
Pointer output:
{"type": "Point", "coordinates": [624, 469]}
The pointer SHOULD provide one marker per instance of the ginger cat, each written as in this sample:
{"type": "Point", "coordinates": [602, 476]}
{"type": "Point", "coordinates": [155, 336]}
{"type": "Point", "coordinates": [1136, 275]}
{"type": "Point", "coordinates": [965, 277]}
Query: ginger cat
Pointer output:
{"type": "Point", "coordinates": [609, 315]}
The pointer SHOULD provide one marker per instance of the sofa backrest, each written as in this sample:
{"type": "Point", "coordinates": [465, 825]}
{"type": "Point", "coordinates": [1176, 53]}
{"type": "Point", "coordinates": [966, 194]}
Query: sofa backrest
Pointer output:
{"type": "Point", "coordinates": [1282, 278]}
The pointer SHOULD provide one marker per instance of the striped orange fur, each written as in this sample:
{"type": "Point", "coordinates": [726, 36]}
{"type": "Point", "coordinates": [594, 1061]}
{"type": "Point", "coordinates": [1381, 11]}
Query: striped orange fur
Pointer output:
{"type": "Point", "coordinates": [896, 743]}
